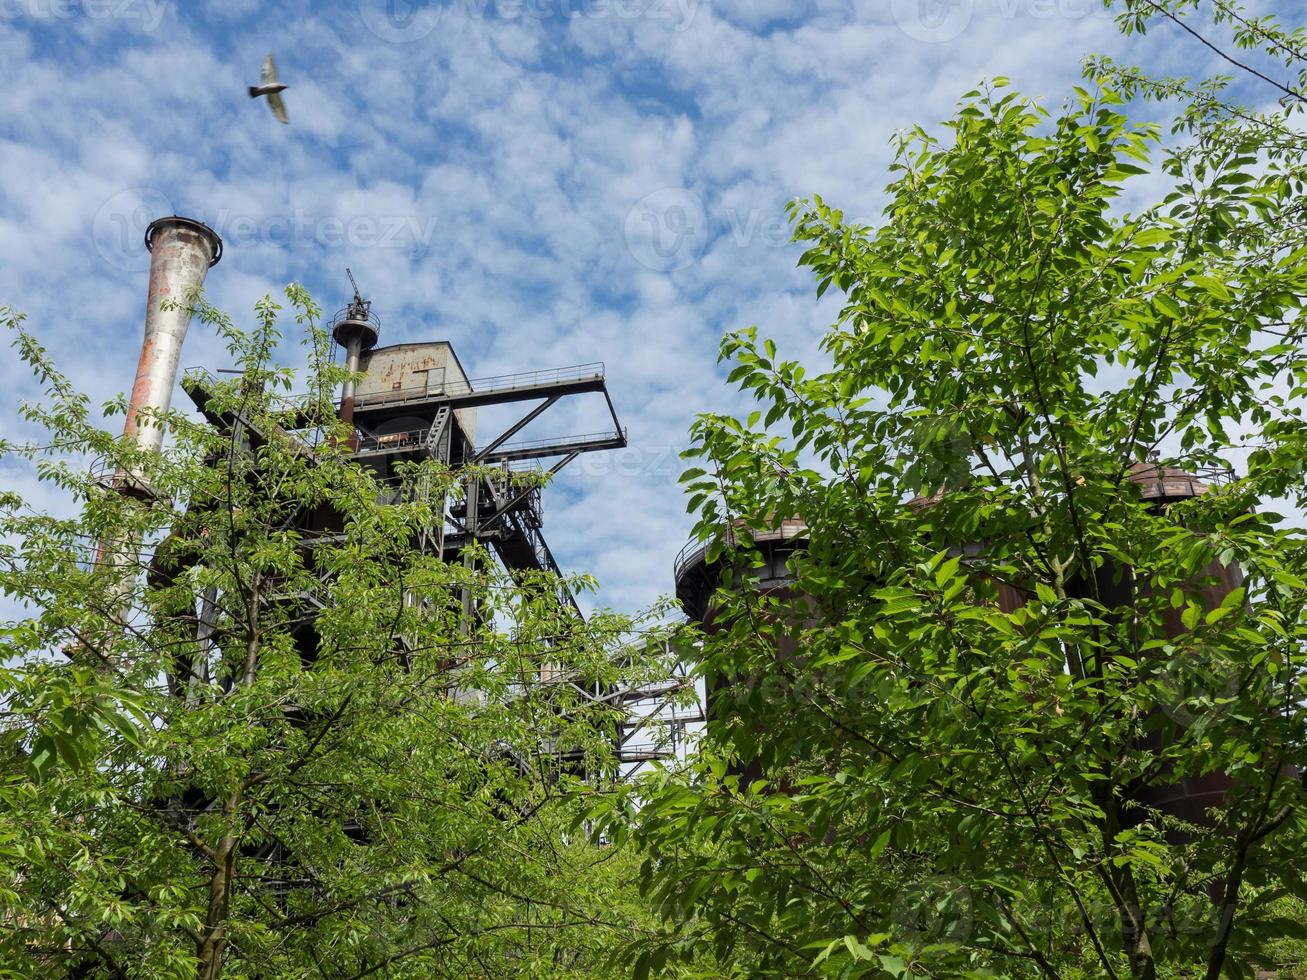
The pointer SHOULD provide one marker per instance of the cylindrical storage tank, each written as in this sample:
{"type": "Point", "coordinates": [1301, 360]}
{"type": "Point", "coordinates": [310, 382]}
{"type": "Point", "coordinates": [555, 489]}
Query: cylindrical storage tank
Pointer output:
{"type": "Point", "coordinates": [1161, 486]}
{"type": "Point", "coordinates": [1189, 798]}
{"type": "Point", "coordinates": [697, 580]}
{"type": "Point", "coordinates": [1116, 587]}
{"type": "Point", "coordinates": [1009, 598]}
{"type": "Point", "coordinates": [182, 250]}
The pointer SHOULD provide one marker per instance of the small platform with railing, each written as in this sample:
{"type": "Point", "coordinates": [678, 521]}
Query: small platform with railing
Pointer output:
{"type": "Point", "coordinates": [491, 390]}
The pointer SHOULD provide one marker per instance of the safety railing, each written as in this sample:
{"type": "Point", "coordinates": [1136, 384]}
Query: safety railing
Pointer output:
{"type": "Point", "coordinates": [491, 385]}
{"type": "Point", "coordinates": [410, 440]}
{"type": "Point", "coordinates": [694, 550]}
{"type": "Point", "coordinates": [581, 441]}
{"type": "Point", "coordinates": [1159, 481]}
{"type": "Point", "coordinates": [118, 479]}
{"type": "Point", "coordinates": [691, 553]}
{"type": "Point", "coordinates": [354, 313]}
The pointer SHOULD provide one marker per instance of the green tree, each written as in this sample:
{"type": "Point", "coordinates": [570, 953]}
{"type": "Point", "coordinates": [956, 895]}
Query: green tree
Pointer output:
{"type": "Point", "coordinates": [961, 768]}
{"type": "Point", "coordinates": [1254, 107]}
{"type": "Point", "coordinates": [234, 745]}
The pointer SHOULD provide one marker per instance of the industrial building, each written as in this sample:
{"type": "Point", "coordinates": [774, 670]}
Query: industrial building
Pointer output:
{"type": "Point", "coordinates": [407, 403]}
{"type": "Point", "coordinates": [416, 401]}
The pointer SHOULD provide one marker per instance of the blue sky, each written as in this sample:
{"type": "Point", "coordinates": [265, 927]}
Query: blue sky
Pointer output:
{"type": "Point", "coordinates": [540, 182]}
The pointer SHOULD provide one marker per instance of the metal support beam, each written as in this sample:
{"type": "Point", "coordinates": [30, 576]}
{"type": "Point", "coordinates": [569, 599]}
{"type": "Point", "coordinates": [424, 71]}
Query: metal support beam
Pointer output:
{"type": "Point", "coordinates": [584, 444]}
{"type": "Point", "coordinates": [515, 428]}
{"type": "Point", "coordinates": [381, 402]}
{"type": "Point", "coordinates": [469, 556]}
{"type": "Point", "coordinates": [517, 498]}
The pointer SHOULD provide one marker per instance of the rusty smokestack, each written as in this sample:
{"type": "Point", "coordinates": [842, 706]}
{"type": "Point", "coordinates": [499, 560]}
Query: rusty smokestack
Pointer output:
{"type": "Point", "coordinates": [181, 250]}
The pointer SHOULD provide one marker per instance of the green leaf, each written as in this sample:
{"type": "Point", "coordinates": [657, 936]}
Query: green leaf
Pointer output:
{"type": "Point", "coordinates": [1167, 306]}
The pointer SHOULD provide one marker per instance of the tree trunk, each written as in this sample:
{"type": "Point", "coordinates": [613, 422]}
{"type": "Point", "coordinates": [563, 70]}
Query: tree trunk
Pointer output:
{"type": "Point", "coordinates": [213, 940]}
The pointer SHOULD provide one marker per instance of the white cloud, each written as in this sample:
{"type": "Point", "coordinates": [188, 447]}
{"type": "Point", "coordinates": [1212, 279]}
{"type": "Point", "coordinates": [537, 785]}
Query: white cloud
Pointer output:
{"type": "Point", "coordinates": [503, 151]}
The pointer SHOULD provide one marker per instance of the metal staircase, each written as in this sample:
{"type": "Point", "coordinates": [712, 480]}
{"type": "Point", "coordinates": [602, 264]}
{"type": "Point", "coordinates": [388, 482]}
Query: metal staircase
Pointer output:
{"type": "Point", "coordinates": [438, 437]}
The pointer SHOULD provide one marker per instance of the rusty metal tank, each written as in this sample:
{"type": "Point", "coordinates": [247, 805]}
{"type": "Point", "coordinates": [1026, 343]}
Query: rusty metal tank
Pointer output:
{"type": "Point", "coordinates": [698, 579]}
{"type": "Point", "coordinates": [1115, 586]}
{"type": "Point", "coordinates": [1190, 798]}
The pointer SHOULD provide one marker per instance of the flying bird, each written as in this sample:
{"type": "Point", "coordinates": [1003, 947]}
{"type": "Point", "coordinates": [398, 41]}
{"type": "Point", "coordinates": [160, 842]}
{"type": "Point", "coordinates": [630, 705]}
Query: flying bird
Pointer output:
{"type": "Point", "coordinates": [272, 88]}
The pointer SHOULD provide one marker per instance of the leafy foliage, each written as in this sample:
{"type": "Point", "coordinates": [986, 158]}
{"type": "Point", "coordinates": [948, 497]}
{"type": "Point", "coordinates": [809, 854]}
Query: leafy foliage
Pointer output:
{"type": "Point", "coordinates": [247, 732]}
{"type": "Point", "coordinates": [959, 742]}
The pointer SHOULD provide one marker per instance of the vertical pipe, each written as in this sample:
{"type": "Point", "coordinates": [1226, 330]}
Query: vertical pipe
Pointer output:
{"type": "Point", "coordinates": [353, 350]}
{"type": "Point", "coordinates": [355, 329]}
{"type": "Point", "coordinates": [181, 252]}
